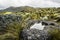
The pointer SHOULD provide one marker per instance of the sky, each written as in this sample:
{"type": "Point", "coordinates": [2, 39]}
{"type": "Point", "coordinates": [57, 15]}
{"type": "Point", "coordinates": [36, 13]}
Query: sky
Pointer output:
{"type": "Point", "coordinates": [33, 3]}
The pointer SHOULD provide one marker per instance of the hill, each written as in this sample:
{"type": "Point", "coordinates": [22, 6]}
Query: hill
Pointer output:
{"type": "Point", "coordinates": [15, 19]}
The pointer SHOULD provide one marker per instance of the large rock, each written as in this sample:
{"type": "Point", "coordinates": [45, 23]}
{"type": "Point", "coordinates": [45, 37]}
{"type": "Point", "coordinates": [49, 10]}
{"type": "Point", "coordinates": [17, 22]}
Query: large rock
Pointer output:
{"type": "Point", "coordinates": [9, 25]}
{"type": "Point", "coordinates": [36, 34]}
{"type": "Point", "coordinates": [6, 20]}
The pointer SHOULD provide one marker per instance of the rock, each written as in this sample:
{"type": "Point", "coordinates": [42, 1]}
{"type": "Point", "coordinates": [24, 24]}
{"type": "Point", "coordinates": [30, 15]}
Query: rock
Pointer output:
{"type": "Point", "coordinates": [36, 34]}
{"type": "Point", "coordinates": [32, 22]}
{"type": "Point", "coordinates": [7, 19]}
{"type": "Point", "coordinates": [8, 26]}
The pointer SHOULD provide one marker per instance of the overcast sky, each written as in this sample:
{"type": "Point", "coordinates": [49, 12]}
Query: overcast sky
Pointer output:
{"type": "Point", "coordinates": [33, 3]}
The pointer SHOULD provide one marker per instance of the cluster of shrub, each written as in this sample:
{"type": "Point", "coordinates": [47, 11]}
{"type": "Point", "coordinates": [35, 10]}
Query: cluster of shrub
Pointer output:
{"type": "Point", "coordinates": [12, 24]}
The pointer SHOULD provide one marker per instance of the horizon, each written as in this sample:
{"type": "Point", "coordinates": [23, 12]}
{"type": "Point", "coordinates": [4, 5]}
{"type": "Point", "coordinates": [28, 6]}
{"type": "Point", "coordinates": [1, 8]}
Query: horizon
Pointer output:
{"type": "Point", "coordinates": [39, 3]}
{"type": "Point", "coordinates": [29, 6]}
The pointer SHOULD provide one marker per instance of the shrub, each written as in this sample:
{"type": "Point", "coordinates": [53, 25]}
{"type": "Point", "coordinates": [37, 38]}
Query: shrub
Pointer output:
{"type": "Point", "coordinates": [55, 34]}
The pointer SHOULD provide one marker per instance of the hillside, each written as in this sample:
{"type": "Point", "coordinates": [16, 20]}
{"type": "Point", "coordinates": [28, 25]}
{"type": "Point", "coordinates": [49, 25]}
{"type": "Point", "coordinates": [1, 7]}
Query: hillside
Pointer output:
{"type": "Point", "coordinates": [15, 19]}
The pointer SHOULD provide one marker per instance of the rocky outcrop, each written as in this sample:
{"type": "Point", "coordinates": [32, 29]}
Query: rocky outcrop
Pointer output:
{"type": "Point", "coordinates": [36, 34]}
{"type": "Point", "coordinates": [9, 26]}
{"type": "Point", "coordinates": [7, 19]}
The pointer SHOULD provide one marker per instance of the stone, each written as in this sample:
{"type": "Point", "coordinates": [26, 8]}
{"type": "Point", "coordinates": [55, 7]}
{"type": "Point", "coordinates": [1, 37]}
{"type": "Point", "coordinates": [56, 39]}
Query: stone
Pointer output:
{"type": "Point", "coordinates": [36, 34]}
{"type": "Point", "coordinates": [7, 19]}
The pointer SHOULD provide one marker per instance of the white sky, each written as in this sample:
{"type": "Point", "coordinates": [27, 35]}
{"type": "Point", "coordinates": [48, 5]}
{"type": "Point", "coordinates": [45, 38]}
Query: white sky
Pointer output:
{"type": "Point", "coordinates": [33, 3]}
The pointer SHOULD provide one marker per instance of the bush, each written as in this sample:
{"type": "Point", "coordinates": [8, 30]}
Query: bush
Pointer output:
{"type": "Point", "coordinates": [55, 34]}
{"type": "Point", "coordinates": [13, 31]}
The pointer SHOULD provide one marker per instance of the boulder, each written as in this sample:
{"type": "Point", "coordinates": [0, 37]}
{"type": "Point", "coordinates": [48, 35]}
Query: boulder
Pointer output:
{"type": "Point", "coordinates": [7, 19]}
{"type": "Point", "coordinates": [36, 34]}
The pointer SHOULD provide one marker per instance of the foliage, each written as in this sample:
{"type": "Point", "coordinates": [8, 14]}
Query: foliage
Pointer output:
{"type": "Point", "coordinates": [55, 34]}
{"type": "Point", "coordinates": [29, 13]}
{"type": "Point", "coordinates": [13, 31]}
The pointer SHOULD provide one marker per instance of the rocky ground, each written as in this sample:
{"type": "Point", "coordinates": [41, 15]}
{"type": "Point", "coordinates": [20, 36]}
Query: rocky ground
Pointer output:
{"type": "Point", "coordinates": [10, 29]}
{"type": "Point", "coordinates": [13, 27]}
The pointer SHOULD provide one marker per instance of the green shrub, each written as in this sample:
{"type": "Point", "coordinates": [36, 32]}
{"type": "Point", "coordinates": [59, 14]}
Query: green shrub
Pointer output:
{"type": "Point", "coordinates": [13, 31]}
{"type": "Point", "coordinates": [55, 34]}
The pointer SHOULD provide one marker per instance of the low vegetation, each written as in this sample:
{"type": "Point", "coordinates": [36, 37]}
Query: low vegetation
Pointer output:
{"type": "Point", "coordinates": [29, 13]}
